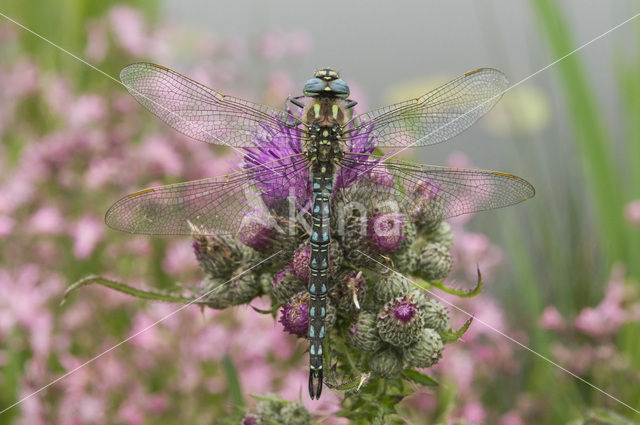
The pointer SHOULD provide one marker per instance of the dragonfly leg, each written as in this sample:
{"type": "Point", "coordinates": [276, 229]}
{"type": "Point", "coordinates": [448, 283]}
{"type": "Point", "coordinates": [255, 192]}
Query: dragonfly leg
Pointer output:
{"type": "Point", "coordinates": [350, 104]}
{"type": "Point", "coordinates": [295, 101]}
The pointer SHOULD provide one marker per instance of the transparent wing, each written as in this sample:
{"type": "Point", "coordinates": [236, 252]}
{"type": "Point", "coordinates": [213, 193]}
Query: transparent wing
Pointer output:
{"type": "Point", "coordinates": [430, 192]}
{"type": "Point", "coordinates": [435, 117]}
{"type": "Point", "coordinates": [212, 206]}
{"type": "Point", "coordinates": [202, 113]}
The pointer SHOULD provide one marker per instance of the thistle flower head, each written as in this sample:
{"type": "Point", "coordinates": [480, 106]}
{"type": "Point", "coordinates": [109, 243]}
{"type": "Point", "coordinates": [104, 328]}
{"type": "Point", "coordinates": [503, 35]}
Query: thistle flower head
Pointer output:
{"type": "Point", "coordinates": [300, 263]}
{"type": "Point", "coordinates": [275, 165]}
{"type": "Point", "coordinates": [256, 234]}
{"type": "Point", "coordinates": [220, 256]}
{"type": "Point", "coordinates": [285, 285]}
{"type": "Point", "coordinates": [400, 321]}
{"type": "Point", "coordinates": [294, 315]}
{"type": "Point", "coordinates": [385, 232]}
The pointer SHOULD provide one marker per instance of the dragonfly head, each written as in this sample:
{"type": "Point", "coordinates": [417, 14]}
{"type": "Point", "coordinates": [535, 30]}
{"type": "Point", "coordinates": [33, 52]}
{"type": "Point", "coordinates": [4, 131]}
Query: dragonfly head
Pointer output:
{"type": "Point", "coordinates": [326, 82]}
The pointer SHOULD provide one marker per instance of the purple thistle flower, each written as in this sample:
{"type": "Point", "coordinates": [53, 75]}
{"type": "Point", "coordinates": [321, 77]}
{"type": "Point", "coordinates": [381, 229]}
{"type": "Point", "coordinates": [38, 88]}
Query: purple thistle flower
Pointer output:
{"type": "Point", "coordinates": [295, 315]}
{"type": "Point", "coordinates": [249, 419]}
{"type": "Point", "coordinates": [360, 142]}
{"type": "Point", "coordinates": [404, 311]}
{"type": "Point", "coordinates": [255, 234]}
{"type": "Point", "coordinates": [385, 232]}
{"type": "Point", "coordinates": [428, 189]}
{"type": "Point", "coordinates": [273, 168]}
{"type": "Point", "coordinates": [300, 263]}
{"type": "Point", "coordinates": [400, 321]}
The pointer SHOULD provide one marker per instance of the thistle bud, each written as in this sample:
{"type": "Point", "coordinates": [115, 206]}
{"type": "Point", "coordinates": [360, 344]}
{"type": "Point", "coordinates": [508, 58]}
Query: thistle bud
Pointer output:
{"type": "Point", "coordinates": [256, 234]}
{"type": "Point", "coordinates": [239, 290]}
{"type": "Point", "coordinates": [294, 315]}
{"type": "Point", "coordinates": [400, 322]}
{"type": "Point", "coordinates": [436, 315]}
{"type": "Point", "coordinates": [386, 363]}
{"type": "Point", "coordinates": [434, 262]}
{"type": "Point", "coordinates": [388, 287]}
{"type": "Point", "coordinates": [363, 333]}
{"type": "Point", "coordinates": [442, 235]}
{"type": "Point", "coordinates": [426, 351]}
{"type": "Point", "coordinates": [285, 285]}
{"type": "Point", "coordinates": [220, 256]}
{"type": "Point", "coordinates": [294, 414]}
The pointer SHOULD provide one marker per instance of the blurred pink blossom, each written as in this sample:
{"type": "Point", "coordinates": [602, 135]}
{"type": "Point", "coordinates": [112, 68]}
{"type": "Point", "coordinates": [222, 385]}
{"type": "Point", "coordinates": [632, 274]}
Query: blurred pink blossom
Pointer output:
{"type": "Point", "coordinates": [129, 29]}
{"type": "Point", "coordinates": [474, 412]}
{"type": "Point", "coordinates": [280, 86]}
{"type": "Point", "coordinates": [298, 43]}
{"type": "Point", "coordinates": [552, 319]}
{"type": "Point", "coordinates": [161, 158]}
{"type": "Point", "coordinates": [97, 43]}
{"type": "Point", "coordinates": [7, 224]}
{"type": "Point", "coordinates": [632, 212]}
{"type": "Point", "coordinates": [511, 418]}
{"type": "Point", "coordinates": [87, 232]}
{"type": "Point", "coordinates": [88, 108]}
{"type": "Point", "coordinates": [272, 45]}
{"type": "Point", "coordinates": [131, 413]}
{"type": "Point", "coordinates": [179, 257]}
{"type": "Point", "coordinates": [46, 220]}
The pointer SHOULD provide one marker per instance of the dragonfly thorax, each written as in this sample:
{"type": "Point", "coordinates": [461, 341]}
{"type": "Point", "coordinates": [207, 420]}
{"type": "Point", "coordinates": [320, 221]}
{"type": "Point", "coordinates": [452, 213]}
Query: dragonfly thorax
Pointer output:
{"type": "Point", "coordinates": [324, 118]}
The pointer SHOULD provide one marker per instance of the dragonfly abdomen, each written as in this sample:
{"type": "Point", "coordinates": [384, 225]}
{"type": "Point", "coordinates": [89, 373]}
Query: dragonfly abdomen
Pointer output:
{"type": "Point", "coordinates": [322, 185]}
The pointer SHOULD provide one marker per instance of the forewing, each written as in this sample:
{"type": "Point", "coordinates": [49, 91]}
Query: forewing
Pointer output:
{"type": "Point", "coordinates": [432, 192]}
{"type": "Point", "coordinates": [202, 113]}
{"type": "Point", "coordinates": [213, 206]}
{"type": "Point", "coordinates": [435, 117]}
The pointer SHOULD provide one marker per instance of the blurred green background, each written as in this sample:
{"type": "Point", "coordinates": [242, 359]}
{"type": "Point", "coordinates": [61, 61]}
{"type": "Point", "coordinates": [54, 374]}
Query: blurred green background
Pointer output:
{"type": "Point", "coordinates": [572, 130]}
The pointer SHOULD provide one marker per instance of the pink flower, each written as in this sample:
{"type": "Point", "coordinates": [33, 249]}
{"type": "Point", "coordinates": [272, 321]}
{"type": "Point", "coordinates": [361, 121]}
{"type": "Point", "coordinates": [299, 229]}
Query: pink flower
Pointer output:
{"type": "Point", "coordinates": [161, 157]}
{"type": "Point", "coordinates": [298, 43]}
{"type": "Point", "coordinates": [272, 45]}
{"type": "Point", "coordinates": [97, 43]}
{"type": "Point", "coordinates": [6, 225]}
{"type": "Point", "coordinates": [47, 220]}
{"type": "Point", "coordinates": [511, 418]}
{"type": "Point", "coordinates": [552, 319]}
{"type": "Point", "coordinates": [632, 212]}
{"type": "Point", "coordinates": [474, 412]}
{"type": "Point", "coordinates": [87, 109]}
{"type": "Point", "coordinates": [129, 29]}
{"type": "Point", "coordinates": [131, 413]}
{"type": "Point", "coordinates": [22, 80]}
{"type": "Point", "coordinates": [86, 233]}
{"type": "Point", "coordinates": [179, 257]}
{"type": "Point", "coordinates": [280, 86]}
{"type": "Point", "coordinates": [102, 171]}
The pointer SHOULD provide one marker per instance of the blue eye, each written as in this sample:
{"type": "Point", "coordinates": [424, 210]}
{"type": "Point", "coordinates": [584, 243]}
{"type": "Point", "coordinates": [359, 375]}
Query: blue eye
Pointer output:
{"type": "Point", "coordinates": [313, 87]}
{"type": "Point", "coordinates": [340, 88]}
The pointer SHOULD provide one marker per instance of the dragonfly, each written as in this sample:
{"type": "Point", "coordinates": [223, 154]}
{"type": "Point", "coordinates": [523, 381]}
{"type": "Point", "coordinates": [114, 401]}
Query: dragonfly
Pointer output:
{"type": "Point", "coordinates": [312, 156]}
